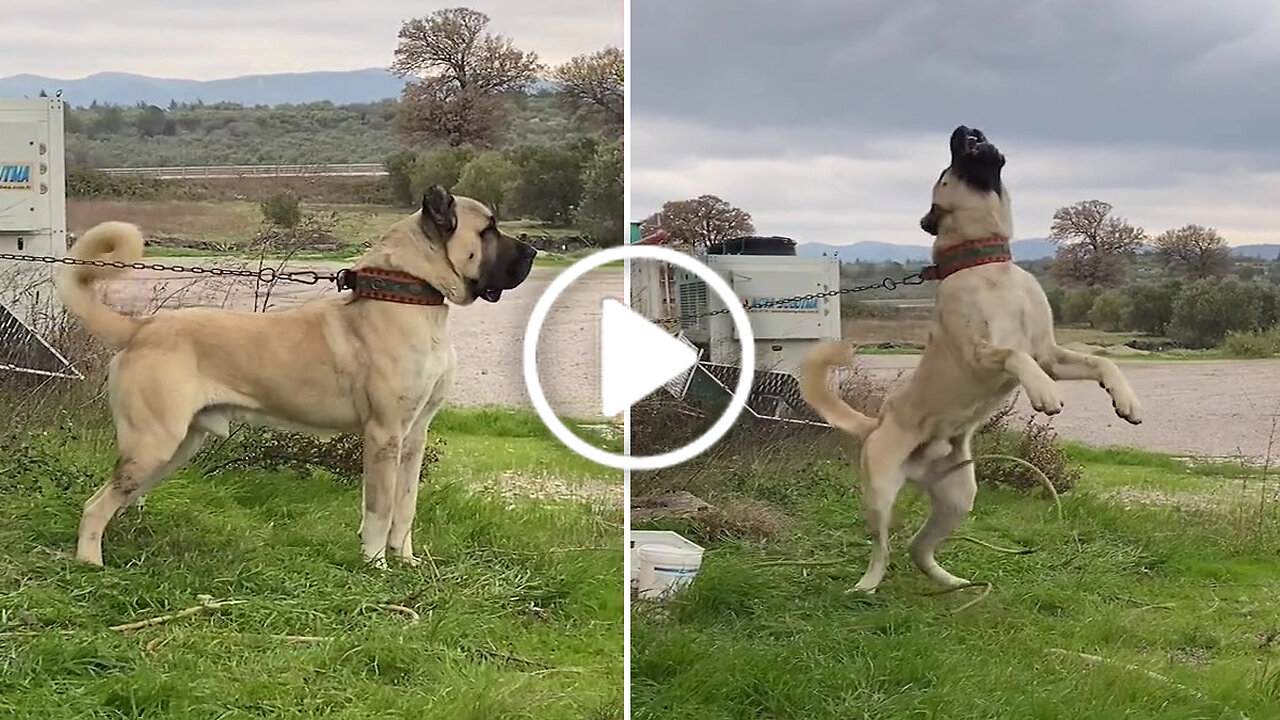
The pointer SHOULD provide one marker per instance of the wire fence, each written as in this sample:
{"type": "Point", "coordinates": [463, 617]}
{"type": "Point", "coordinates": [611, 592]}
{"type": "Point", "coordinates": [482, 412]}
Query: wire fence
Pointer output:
{"type": "Point", "coordinates": [239, 171]}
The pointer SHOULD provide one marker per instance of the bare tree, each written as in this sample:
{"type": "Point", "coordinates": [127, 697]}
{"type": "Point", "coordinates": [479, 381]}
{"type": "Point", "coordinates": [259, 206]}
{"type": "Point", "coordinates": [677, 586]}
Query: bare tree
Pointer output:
{"type": "Point", "coordinates": [462, 72]}
{"type": "Point", "coordinates": [595, 81]}
{"type": "Point", "coordinates": [1094, 246]}
{"type": "Point", "coordinates": [1196, 251]}
{"type": "Point", "coordinates": [704, 219]}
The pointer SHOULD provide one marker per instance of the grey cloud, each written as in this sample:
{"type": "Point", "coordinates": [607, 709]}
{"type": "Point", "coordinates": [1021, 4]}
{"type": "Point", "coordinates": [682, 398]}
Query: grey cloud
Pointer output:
{"type": "Point", "coordinates": [1091, 70]}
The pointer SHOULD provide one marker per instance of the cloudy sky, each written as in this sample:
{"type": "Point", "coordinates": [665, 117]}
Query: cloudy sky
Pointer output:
{"type": "Point", "coordinates": [828, 120]}
{"type": "Point", "coordinates": [225, 38]}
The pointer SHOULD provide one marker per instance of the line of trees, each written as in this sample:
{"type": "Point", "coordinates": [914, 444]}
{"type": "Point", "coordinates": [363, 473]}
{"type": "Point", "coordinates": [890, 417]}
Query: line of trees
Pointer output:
{"type": "Point", "coordinates": [1096, 248]}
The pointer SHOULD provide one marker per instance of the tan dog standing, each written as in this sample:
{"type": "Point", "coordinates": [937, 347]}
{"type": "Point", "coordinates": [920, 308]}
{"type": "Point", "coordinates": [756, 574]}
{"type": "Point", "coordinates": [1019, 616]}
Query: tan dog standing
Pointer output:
{"type": "Point", "coordinates": [992, 332]}
{"type": "Point", "coordinates": [377, 367]}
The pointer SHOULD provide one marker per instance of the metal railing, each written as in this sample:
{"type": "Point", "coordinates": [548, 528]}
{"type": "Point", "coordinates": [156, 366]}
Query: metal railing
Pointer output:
{"type": "Point", "coordinates": [234, 171]}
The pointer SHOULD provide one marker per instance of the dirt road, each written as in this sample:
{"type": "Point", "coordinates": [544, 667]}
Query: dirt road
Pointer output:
{"type": "Point", "coordinates": [1210, 409]}
{"type": "Point", "coordinates": [488, 337]}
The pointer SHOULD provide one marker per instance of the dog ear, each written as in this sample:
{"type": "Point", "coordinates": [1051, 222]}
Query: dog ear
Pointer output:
{"type": "Point", "coordinates": [438, 208]}
{"type": "Point", "coordinates": [959, 142]}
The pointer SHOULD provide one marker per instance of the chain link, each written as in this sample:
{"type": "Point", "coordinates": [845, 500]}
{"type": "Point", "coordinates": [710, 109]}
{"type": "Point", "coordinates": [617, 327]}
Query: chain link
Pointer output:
{"type": "Point", "coordinates": [885, 284]}
{"type": "Point", "coordinates": [267, 275]}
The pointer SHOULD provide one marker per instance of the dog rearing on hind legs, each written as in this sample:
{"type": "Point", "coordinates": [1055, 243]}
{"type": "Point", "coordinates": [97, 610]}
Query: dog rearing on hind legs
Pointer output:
{"type": "Point", "coordinates": [992, 332]}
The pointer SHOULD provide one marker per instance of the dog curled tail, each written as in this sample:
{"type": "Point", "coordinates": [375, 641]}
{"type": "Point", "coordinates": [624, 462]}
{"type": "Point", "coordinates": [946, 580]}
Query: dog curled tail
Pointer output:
{"type": "Point", "coordinates": [112, 242]}
{"type": "Point", "coordinates": [825, 401]}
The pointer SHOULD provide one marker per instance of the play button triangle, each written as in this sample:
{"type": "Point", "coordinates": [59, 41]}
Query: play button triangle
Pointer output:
{"type": "Point", "coordinates": [636, 357]}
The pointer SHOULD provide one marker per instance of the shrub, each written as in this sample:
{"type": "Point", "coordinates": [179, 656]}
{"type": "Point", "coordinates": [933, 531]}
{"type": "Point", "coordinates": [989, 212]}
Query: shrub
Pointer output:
{"type": "Point", "coordinates": [400, 166]}
{"type": "Point", "coordinates": [87, 182]}
{"type": "Point", "coordinates": [1207, 310]}
{"type": "Point", "coordinates": [255, 447]}
{"type": "Point", "coordinates": [1110, 311]}
{"type": "Point", "coordinates": [282, 209]}
{"type": "Point", "coordinates": [1252, 344]}
{"type": "Point", "coordinates": [1036, 443]}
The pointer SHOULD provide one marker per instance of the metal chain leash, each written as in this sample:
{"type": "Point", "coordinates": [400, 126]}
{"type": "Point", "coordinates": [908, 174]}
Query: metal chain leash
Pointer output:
{"type": "Point", "coordinates": [267, 275]}
{"type": "Point", "coordinates": [888, 283]}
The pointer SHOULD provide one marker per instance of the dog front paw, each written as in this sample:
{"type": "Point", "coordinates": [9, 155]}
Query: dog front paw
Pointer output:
{"type": "Point", "coordinates": [1128, 408]}
{"type": "Point", "coordinates": [1045, 398]}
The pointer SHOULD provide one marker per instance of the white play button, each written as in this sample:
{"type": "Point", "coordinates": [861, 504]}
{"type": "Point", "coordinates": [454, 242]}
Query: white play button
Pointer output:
{"type": "Point", "coordinates": [636, 357]}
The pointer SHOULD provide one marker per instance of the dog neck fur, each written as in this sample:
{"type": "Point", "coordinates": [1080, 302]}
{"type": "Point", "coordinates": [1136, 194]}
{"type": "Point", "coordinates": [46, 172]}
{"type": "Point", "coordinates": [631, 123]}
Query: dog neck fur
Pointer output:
{"type": "Point", "coordinates": [986, 214]}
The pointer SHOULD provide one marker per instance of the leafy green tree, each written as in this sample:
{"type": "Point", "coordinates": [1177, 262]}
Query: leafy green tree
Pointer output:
{"type": "Point", "coordinates": [549, 183]}
{"type": "Point", "coordinates": [442, 167]}
{"type": "Point", "coordinates": [600, 214]}
{"type": "Point", "coordinates": [1151, 308]}
{"type": "Point", "coordinates": [151, 121]}
{"type": "Point", "coordinates": [487, 178]}
{"type": "Point", "coordinates": [1110, 311]}
{"type": "Point", "coordinates": [108, 120]}
{"type": "Point", "coordinates": [1076, 305]}
{"type": "Point", "coordinates": [1207, 310]}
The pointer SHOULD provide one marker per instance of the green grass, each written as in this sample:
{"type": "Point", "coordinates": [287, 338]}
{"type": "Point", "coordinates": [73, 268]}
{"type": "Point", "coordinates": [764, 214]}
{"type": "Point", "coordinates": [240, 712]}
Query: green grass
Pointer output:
{"type": "Point", "coordinates": [520, 604]}
{"type": "Point", "coordinates": [1179, 588]}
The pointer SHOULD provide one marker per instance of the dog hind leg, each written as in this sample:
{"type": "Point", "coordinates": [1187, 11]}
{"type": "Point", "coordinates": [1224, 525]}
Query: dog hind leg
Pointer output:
{"type": "Point", "coordinates": [950, 501]}
{"type": "Point", "coordinates": [884, 457]}
{"type": "Point", "coordinates": [1069, 365]}
{"type": "Point", "coordinates": [142, 466]}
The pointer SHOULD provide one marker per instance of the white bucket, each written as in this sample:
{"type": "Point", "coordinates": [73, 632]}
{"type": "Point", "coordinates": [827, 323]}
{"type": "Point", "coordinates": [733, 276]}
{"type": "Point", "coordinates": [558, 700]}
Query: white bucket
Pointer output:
{"type": "Point", "coordinates": [662, 562]}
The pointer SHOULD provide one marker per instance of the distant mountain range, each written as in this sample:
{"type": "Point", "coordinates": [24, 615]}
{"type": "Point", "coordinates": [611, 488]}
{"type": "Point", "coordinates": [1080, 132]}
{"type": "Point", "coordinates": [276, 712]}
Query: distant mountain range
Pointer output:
{"type": "Point", "coordinates": [339, 87]}
{"type": "Point", "coordinates": [1023, 250]}
{"type": "Point", "coordinates": [1266, 251]}
{"type": "Point", "coordinates": [871, 251]}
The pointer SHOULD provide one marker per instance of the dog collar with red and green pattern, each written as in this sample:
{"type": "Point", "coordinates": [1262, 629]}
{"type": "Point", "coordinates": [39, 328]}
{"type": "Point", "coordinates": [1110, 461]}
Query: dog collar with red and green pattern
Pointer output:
{"type": "Point", "coordinates": [389, 286]}
{"type": "Point", "coordinates": [972, 253]}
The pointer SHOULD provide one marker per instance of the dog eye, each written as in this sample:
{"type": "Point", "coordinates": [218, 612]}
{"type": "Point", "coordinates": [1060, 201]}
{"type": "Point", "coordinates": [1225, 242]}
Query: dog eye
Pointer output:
{"type": "Point", "coordinates": [472, 256]}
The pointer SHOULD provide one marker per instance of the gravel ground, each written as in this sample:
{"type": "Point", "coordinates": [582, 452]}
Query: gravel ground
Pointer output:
{"type": "Point", "coordinates": [1209, 409]}
{"type": "Point", "coordinates": [488, 337]}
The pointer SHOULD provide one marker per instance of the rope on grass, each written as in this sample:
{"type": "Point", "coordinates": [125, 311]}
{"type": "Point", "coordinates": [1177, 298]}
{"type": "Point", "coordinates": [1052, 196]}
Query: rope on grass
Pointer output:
{"type": "Point", "coordinates": [1039, 475]}
{"type": "Point", "coordinates": [206, 603]}
{"type": "Point", "coordinates": [986, 590]}
{"type": "Point", "coordinates": [407, 612]}
{"type": "Point", "coordinates": [997, 548]}
{"type": "Point", "coordinates": [1098, 660]}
